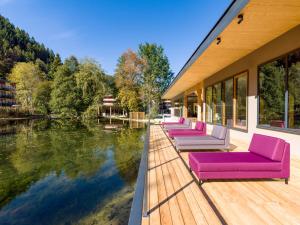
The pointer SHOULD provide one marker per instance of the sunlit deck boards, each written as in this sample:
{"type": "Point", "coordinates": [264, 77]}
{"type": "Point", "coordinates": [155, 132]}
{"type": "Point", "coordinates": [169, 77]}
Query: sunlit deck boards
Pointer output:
{"type": "Point", "coordinates": [174, 198]}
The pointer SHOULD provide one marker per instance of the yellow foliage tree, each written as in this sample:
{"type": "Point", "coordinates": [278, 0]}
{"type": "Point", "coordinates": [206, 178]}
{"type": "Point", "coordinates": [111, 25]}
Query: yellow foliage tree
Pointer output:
{"type": "Point", "coordinates": [27, 77]}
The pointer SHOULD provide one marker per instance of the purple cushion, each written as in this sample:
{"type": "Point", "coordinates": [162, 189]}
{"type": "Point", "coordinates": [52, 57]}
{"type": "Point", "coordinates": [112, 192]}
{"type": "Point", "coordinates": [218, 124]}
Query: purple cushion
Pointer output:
{"type": "Point", "coordinates": [185, 132]}
{"type": "Point", "coordinates": [199, 126]}
{"type": "Point", "coordinates": [174, 131]}
{"type": "Point", "coordinates": [219, 132]}
{"type": "Point", "coordinates": [267, 146]}
{"type": "Point", "coordinates": [231, 161]}
{"type": "Point", "coordinates": [199, 140]}
{"type": "Point", "coordinates": [181, 120]}
{"type": "Point", "coordinates": [170, 123]}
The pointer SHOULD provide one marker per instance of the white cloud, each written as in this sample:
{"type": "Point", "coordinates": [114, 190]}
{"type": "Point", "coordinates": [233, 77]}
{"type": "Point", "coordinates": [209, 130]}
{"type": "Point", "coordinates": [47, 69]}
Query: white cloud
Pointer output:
{"type": "Point", "coordinates": [63, 35]}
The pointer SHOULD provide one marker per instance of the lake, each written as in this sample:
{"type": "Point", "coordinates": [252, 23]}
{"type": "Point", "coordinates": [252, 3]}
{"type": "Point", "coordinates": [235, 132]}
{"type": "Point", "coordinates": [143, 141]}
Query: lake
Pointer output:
{"type": "Point", "coordinates": [66, 172]}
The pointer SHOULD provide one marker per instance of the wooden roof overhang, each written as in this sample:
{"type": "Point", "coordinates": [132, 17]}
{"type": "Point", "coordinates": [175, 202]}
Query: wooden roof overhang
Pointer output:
{"type": "Point", "coordinates": [263, 21]}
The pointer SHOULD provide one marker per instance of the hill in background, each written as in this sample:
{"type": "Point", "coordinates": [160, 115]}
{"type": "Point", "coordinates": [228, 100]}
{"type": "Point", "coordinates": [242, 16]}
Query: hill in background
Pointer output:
{"type": "Point", "coordinates": [17, 46]}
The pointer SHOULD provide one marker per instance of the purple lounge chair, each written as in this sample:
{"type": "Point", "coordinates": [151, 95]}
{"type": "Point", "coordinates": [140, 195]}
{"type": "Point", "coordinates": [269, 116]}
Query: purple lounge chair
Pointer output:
{"type": "Point", "coordinates": [199, 130]}
{"type": "Point", "coordinates": [219, 139]}
{"type": "Point", "coordinates": [187, 124]}
{"type": "Point", "coordinates": [267, 157]}
{"type": "Point", "coordinates": [180, 121]}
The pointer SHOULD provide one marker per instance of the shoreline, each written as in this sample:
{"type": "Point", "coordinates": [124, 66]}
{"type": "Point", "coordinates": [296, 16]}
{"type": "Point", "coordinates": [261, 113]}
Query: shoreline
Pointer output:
{"type": "Point", "coordinates": [24, 118]}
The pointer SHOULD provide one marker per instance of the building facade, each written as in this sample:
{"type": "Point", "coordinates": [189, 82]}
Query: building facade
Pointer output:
{"type": "Point", "coordinates": [246, 73]}
{"type": "Point", "coordinates": [111, 107]}
{"type": "Point", "coordinates": [164, 107]}
{"type": "Point", "coordinates": [7, 93]}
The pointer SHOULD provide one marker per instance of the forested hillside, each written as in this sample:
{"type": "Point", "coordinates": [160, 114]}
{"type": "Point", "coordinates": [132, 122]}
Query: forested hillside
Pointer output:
{"type": "Point", "coordinates": [17, 46]}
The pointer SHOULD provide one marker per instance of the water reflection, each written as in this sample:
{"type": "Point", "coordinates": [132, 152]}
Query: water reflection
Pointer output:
{"type": "Point", "coordinates": [64, 172]}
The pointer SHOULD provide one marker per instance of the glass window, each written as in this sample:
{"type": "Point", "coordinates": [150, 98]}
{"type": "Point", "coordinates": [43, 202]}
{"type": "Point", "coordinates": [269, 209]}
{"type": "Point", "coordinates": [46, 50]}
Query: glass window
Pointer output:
{"type": "Point", "coordinates": [208, 105]}
{"type": "Point", "coordinates": [241, 101]}
{"type": "Point", "coordinates": [192, 104]}
{"type": "Point", "coordinates": [228, 100]}
{"type": "Point", "coordinates": [294, 90]}
{"type": "Point", "coordinates": [178, 107]}
{"type": "Point", "coordinates": [217, 103]}
{"type": "Point", "coordinates": [272, 93]}
{"type": "Point", "coordinates": [220, 99]}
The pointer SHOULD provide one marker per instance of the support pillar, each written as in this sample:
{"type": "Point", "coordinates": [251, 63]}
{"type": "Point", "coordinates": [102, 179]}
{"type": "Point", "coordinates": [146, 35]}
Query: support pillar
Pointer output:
{"type": "Point", "coordinates": [184, 113]}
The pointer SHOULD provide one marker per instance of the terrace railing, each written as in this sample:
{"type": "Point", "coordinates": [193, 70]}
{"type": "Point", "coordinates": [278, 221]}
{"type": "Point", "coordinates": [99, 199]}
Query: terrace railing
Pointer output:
{"type": "Point", "coordinates": [139, 207]}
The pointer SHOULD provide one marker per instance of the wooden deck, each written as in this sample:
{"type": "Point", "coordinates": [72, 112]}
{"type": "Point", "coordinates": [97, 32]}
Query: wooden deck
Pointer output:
{"type": "Point", "coordinates": [175, 198]}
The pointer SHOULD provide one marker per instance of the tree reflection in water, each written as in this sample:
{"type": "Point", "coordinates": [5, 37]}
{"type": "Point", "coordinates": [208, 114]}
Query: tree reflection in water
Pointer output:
{"type": "Point", "coordinates": [57, 172]}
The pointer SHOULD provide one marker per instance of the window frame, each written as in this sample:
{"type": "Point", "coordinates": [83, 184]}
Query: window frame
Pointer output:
{"type": "Point", "coordinates": [192, 95]}
{"type": "Point", "coordinates": [233, 78]}
{"type": "Point", "coordinates": [206, 109]}
{"type": "Point", "coordinates": [286, 97]}
{"type": "Point", "coordinates": [223, 99]}
{"type": "Point", "coordinates": [214, 108]}
{"type": "Point", "coordinates": [245, 73]}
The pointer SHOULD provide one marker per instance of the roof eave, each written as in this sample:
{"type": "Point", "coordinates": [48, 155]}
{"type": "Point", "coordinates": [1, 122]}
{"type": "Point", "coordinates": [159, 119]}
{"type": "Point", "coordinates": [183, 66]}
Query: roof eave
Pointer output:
{"type": "Point", "coordinates": [230, 13]}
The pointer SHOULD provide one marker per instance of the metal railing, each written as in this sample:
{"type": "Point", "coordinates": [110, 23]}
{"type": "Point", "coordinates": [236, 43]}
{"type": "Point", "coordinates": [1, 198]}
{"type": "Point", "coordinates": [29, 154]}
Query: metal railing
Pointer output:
{"type": "Point", "coordinates": [139, 207]}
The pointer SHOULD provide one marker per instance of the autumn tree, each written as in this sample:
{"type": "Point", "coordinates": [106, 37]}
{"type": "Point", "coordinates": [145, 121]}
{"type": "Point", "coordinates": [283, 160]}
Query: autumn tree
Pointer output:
{"type": "Point", "coordinates": [128, 80]}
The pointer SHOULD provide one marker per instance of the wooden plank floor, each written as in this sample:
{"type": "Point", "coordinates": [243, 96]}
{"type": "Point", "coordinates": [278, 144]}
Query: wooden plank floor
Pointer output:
{"type": "Point", "coordinates": [175, 198]}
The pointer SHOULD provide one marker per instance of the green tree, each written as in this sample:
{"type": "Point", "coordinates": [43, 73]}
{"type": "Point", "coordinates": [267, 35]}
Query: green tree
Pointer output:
{"type": "Point", "coordinates": [72, 64]}
{"type": "Point", "coordinates": [156, 74]}
{"type": "Point", "coordinates": [272, 91]}
{"type": "Point", "coordinates": [127, 80]}
{"type": "Point", "coordinates": [43, 67]}
{"type": "Point", "coordinates": [110, 80]}
{"type": "Point", "coordinates": [90, 79]}
{"type": "Point", "coordinates": [53, 66]}
{"type": "Point", "coordinates": [27, 77]}
{"type": "Point", "coordinates": [128, 153]}
{"type": "Point", "coordinates": [65, 96]}
{"type": "Point", "coordinates": [42, 97]}
{"type": "Point", "coordinates": [93, 84]}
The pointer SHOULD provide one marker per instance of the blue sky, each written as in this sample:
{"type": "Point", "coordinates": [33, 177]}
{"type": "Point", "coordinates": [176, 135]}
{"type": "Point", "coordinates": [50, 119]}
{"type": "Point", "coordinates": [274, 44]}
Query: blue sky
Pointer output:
{"type": "Point", "coordinates": [104, 29]}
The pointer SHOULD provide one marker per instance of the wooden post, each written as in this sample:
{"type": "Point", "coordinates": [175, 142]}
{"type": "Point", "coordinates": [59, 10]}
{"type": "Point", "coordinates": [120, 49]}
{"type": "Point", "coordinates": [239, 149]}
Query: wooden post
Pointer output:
{"type": "Point", "coordinates": [223, 104]}
{"type": "Point", "coordinates": [184, 113]}
{"type": "Point", "coordinates": [234, 102]}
